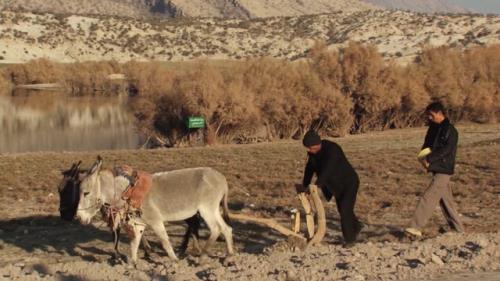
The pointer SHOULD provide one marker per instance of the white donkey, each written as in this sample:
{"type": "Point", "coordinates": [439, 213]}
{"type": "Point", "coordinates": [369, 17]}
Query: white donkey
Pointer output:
{"type": "Point", "coordinates": [175, 196]}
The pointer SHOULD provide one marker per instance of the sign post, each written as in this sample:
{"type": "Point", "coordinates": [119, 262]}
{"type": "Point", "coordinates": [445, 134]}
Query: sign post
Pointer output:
{"type": "Point", "coordinates": [195, 122]}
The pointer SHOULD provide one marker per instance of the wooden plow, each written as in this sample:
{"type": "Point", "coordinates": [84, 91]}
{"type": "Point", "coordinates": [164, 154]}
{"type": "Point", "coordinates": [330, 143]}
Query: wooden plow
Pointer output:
{"type": "Point", "coordinates": [312, 207]}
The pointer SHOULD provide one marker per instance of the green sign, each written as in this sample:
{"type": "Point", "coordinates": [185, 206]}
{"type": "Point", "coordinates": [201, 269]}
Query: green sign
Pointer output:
{"type": "Point", "coordinates": [195, 122]}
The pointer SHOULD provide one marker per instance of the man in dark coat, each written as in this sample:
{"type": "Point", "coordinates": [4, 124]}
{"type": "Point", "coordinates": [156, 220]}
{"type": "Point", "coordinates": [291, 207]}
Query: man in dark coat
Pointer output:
{"type": "Point", "coordinates": [442, 140]}
{"type": "Point", "coordinates": [336, 178]}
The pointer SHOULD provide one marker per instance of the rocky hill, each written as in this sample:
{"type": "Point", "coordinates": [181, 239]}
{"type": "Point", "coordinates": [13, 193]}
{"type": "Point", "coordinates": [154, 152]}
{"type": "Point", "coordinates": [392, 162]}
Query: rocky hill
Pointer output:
{"type": "Point", "coordinates": [243, 9]}
{"type": "Point", "coordinates": [397, 34]}
{"type": "Point", "coordinates": [124, 8]}
{"type": "Point", "coordinates": [426, 6]}
{"type": "Point", "coordinates": [266, 8]}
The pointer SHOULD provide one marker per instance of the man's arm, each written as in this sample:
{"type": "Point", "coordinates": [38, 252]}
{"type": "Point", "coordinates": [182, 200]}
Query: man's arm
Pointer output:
{"type": "Point", "coordinates": [442, 152]}
{"type": "Point", "coordinates": [308, 174]}
{"type": "Point", "coordinates": [429, 136]}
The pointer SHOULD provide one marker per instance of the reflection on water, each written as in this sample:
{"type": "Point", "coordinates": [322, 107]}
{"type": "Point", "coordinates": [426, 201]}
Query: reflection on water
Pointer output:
{"type": "Point", "coordinates": [49, 121]}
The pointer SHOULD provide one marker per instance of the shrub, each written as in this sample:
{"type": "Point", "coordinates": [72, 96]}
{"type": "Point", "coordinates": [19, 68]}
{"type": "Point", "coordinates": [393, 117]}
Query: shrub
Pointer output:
{"type": "Point", "coordinates": [482, 102]}
{"type": "Point", "coordinates": [36, 72]}
{"type": "Point", "coordinates": [91, 78]}
{"type": "Point", "coordinates": [336, 92]}
{"type": "Point", "coordinates": [444, 77]}
{"type": "Point", "coordinates": [218, 97]}
{"type": "Point", "coordinates": [5, 85]}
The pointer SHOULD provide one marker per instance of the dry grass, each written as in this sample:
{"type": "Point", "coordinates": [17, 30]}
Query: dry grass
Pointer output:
{"type": "Point", "coordinates": [5, 84]}
{"type": "Point", "coordinates": [264, 175]}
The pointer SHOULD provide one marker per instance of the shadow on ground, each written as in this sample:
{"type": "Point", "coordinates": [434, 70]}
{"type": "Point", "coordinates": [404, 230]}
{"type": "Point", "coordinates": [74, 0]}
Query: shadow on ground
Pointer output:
{"type": "Point", "coordinates": [50, 234]}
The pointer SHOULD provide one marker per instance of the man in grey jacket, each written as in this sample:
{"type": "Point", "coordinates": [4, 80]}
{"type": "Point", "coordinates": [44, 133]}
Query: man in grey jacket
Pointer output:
{"type": "Point", "coordinates": [442, 140]}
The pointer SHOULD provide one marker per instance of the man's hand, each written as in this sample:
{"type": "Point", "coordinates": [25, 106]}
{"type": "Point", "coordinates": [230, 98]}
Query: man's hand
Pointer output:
{"type": "Point", "coordinates": [424, 163]}
{"type": "Point", "coordinates": [301, 189]}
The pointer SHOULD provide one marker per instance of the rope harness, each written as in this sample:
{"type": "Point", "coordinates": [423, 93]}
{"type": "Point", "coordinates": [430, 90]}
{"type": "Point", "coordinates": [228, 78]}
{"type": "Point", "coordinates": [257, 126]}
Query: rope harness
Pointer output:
{"type": "Point", "coordinates": [126, 216]}
{"type": "Point", "coordinates": [121, 217]}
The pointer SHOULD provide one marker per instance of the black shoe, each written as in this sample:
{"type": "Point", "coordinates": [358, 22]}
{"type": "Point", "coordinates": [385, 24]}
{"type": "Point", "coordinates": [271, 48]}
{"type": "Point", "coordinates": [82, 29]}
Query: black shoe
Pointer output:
{"type": "Point", "coordinates": [444, 229]}
{"type": "Point", "coordinates": [349, 245]}
{"type": "Point", "coordinates": [359, 227]}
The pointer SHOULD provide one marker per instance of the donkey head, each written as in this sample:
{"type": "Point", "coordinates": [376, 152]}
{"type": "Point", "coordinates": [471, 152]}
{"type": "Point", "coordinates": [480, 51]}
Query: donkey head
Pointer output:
{"type": "Point", "coordinates": [69, 192]}
{"type": "Point", "coordinates": [90, 193]}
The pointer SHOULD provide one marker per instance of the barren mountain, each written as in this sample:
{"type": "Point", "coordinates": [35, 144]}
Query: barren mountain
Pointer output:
{"type": "Point", "coordinates": [242, 9]}
{"type": "Point", "coordinates": [397, 34]}
{"type": "Point", "coordinates": [124, 8]}
{"type": "Point", "coordinates": [266, 8]}
{"type": "Point", "coordinates": [190, 8]}
{"type": "Point", "coordinates": [426, 6]}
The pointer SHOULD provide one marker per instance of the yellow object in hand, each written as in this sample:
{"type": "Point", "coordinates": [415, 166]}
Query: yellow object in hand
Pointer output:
{"type": "Point", "coordinates": [423, 153]}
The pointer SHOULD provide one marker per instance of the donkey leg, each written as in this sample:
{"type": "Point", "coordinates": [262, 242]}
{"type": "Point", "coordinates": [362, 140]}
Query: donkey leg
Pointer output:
{"type": "Point", "coordinates": [161, 232]}
{"type": "Point", "coordinates": [116, 238]}
{"type": "Point", "coordinates": [191, 232]}
{"type": "Point", "coordinates": [185, 239]}
{"type": "Point", "coordinates": [147, 247]}
{"type": "Point", "coordinates": [195, 235]}
{"type": "Point", "coordinates": [227, 231]}
{"type": "Point", "coordinates": [212, 224]}
{"type": "Point", "coordinates": [138, 230]}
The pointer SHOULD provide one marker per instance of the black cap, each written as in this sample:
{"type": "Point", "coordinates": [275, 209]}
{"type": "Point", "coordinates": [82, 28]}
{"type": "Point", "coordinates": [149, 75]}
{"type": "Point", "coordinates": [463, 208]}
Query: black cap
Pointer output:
{"type": "Point", "coordinates": [311, 138]}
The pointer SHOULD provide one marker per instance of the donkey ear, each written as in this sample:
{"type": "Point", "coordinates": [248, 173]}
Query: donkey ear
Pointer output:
{"type": "Point", "coordinates": [96, 167]}
{"type": "Point", "coordinates": [76, 170]}
{"type": "Point", "coordinates": [69, 171]}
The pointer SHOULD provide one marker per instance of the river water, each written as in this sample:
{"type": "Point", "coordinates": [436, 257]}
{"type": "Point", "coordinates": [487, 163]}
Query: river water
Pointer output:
{"type": "Point", "coordinates": [53, 122]}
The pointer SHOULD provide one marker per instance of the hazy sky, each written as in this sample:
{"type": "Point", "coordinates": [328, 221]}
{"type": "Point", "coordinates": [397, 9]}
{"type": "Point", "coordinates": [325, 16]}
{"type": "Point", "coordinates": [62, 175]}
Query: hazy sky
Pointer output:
{"type": "Point", "coordinates": [482, 6]}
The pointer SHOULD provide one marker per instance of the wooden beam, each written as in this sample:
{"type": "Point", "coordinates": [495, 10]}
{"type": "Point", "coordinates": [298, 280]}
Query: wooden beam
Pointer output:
{"type": "Point", "coordinates": [315, 237]}
{"type": "Point", "coordinates": [271, 223]}
{"type": "Point", "coordinates": [320, 212]}
{"type": "Point", "coordinates": [309, 215]}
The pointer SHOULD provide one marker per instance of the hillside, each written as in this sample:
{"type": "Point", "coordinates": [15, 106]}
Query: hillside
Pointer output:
{"type": "Point", "coordinates": [243, 9]}
{"type": "Point", "coordinates": [266, 8]}
{"type": "Point", "coordinates": [124, 8]}
{"type": "Point", "coordinates": [397, 34]}
{"type": "Point", "coordinates": [425, 6]}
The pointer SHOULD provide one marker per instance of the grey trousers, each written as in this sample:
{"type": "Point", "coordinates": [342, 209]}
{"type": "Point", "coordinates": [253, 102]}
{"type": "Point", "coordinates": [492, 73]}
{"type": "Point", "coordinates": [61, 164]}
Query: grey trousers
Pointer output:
{"type": "Point", "coordinates": [439, 191]}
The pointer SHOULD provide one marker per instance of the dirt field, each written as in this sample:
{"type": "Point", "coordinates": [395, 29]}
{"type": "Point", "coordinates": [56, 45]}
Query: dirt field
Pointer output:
{"type": "Point", "coordinates": [36, 245]}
